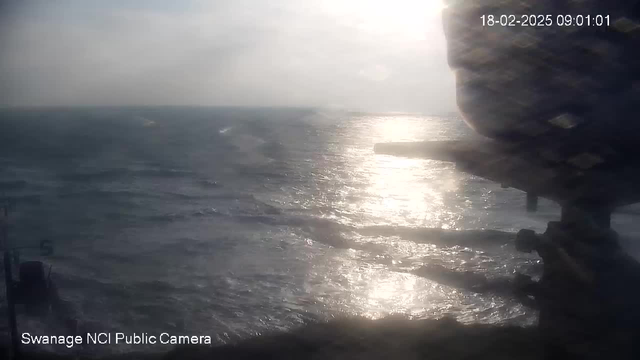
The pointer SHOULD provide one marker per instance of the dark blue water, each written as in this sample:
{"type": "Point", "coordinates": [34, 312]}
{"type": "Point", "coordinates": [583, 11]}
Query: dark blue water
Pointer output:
{"type": "Point", "coordinates": [231, 222]}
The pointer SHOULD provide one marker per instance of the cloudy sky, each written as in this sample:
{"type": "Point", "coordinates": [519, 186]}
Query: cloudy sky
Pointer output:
{"type": "Point", "coordinates": [372, 55]}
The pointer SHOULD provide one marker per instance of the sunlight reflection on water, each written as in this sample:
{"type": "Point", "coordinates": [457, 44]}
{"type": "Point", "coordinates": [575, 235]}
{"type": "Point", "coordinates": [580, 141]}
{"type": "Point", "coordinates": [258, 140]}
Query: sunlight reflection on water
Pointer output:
{"type": "Point", "coordinates": [406, 193]}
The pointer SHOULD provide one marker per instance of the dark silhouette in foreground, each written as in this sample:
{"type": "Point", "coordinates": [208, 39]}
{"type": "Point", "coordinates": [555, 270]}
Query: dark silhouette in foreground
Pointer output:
{"type": "Point", "coordinates": [557, 101]}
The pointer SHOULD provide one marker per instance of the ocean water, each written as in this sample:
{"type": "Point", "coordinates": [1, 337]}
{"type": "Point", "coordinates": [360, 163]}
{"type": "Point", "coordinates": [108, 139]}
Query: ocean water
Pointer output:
{"type": "Point", "coordinates": [234, 222]}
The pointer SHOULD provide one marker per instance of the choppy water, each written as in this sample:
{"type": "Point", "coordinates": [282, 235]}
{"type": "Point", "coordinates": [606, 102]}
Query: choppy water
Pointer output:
{"type": "Point", "coordinates": [233, 222]}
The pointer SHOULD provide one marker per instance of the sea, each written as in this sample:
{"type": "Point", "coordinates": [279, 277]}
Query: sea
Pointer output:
{"type": "Point", "coordinates": [237, 222]}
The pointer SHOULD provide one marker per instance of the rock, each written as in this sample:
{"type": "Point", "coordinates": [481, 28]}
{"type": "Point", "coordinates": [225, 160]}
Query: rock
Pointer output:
{"type": "Point", "coordinates": [572, 87]}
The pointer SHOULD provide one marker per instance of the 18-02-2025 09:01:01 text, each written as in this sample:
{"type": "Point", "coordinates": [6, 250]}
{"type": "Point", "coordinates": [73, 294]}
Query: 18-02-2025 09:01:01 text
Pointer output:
{"type": "Point", "coordinates": [490, 20]}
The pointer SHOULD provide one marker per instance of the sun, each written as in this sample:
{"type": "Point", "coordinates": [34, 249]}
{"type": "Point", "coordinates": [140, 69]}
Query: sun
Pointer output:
{"type": "Point", "coordinates": [400, 19]}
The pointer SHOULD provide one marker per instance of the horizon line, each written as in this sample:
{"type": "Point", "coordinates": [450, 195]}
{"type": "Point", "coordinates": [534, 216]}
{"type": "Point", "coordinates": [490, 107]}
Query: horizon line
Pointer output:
{"type": "Point", "coordinates": [284, 107]}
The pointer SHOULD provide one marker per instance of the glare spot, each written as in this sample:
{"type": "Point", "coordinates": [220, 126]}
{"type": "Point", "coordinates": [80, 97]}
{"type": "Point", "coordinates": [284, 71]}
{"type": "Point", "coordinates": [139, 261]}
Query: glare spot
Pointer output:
{"type": "Point", "coordinates": [586, 160]}
{"type": "Point", "coordinates": [404, 20]}
{"type": "Point", "coordinates": [625, 25]}
{"type": "Point", "coordinates": [375, 73]}
{"type": "Point", "coordinates": [565, 121]}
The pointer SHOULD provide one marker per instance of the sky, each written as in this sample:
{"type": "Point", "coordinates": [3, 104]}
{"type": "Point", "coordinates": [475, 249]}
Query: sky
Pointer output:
{"type": "Point", "coordinates": [368, 55]}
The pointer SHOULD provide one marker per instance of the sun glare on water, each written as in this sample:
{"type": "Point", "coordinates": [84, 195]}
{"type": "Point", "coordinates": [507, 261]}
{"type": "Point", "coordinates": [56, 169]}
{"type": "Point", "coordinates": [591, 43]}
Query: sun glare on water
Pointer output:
{"type": "Point", "coordinates": [397, 192]}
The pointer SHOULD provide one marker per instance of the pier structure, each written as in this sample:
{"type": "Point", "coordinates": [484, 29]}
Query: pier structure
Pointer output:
{"type": "Point", "coordinates": [588, 297]}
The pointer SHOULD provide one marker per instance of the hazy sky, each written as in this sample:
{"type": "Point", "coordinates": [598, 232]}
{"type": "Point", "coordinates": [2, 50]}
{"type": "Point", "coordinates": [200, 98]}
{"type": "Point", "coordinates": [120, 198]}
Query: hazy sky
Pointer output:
{"type": "Point", "coordinates": [375, 55]}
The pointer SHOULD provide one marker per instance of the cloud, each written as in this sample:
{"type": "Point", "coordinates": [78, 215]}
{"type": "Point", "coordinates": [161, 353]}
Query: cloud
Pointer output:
{"type": "Point", "coordinates": [241, 52]}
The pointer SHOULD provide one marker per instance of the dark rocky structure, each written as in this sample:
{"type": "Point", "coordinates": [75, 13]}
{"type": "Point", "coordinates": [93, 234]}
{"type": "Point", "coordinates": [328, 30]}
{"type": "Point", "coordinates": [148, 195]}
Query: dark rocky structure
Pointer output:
{"type": "Point", "coordinates": [562, 72]}
{"type": "Point", "coordinates": [559, 103]}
